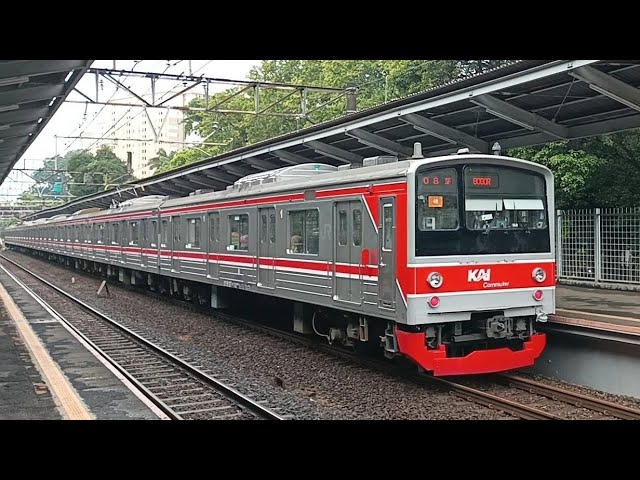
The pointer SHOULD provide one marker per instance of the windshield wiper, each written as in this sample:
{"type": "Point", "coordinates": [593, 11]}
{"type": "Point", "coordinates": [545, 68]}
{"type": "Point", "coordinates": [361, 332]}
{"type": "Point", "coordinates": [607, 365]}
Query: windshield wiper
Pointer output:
{"type": "Point", "coordinates": [522, 223]}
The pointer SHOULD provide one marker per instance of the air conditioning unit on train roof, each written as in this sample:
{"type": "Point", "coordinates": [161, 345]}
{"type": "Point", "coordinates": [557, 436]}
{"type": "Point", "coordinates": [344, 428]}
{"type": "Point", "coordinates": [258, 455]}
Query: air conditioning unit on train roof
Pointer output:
{"type": "Point", "coordinates": [350, 166]}
{"type": "Point", "coordinates": [292, 172]}
{"type": "Point", "coordinates": [85, 210]}
{"type": "Point", "coordinates": [201, 191]}
{"type": "Point", "coordinates": [379, 160]}
{"type": "Point", "coordinates": [142, 200]}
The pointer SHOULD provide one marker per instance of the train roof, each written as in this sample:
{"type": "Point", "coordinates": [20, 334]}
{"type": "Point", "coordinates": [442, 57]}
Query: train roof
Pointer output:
{"type": "Point", "coordinates": [301, 177]}
{"type": "Point", "coordinates": [295, 177]}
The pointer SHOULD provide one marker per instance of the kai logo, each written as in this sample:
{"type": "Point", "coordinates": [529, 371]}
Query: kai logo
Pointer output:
{"type": "Point", "coordinates": [479, 274]}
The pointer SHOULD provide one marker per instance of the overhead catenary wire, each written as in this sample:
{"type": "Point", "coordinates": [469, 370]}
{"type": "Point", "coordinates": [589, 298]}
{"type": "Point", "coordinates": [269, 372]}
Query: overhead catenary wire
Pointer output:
{"type": "Point", "coordinates": [102, 137]}
{"type": "Point", "coordinates": [95, 115]}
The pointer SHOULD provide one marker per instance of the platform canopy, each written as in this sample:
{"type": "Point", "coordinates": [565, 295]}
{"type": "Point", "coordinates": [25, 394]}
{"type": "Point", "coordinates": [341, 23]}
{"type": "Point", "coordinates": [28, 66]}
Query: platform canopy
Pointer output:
{"type": "Point", "coordinates": [30, 93]}
{"type": "Point", "coordinates": [524, 103]}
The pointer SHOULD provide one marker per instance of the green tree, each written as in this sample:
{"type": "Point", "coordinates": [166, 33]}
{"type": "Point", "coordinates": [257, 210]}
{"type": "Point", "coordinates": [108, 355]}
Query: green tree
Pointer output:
{"type": "Point", "coordinates": [592, 172]}
{"type": "Point", "coordinates": [185, 157]}
{"type": "Point", "coordinates": [96, 173]}
{"type": "Point", "coordinates": [377, 81]}
{"type": "Point", "coordinates": [161, 158]}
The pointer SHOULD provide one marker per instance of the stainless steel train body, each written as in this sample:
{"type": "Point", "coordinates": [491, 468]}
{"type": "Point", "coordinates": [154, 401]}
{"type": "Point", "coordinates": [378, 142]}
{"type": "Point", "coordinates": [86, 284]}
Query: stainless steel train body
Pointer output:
{"type": "Point", "coordinates": [367, 242]}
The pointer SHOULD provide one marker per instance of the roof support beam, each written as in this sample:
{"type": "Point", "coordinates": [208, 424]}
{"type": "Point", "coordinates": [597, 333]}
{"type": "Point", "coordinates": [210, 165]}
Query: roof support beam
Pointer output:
{"type": "Point", "coordinates": [13, 141]}
{"type": "Point", "coordinates": [4, 152]}
{"type": "Point", "coordinates": [33, 94]}
{"type": "Point", "coordinates": [334, 152]}
{"type": "Point", "coordinates": [444, 132]}
{"type": "Point", "coordinates": [519, 116]}
{"type": "Point", "coordinates": [261, 164]}
{"type": "Point", "coordinates": [596, 128]}
{"type": "Point", "coordinates": [609, 86]}
{"type": "Point", "coordinates": [169, 190]}
{"type": "Point", "coordinates": [291, 158]}
{"type": "Point", "coordinates": [206, 182]}
{"type": "Point", "coordinates": [39, 67]}
{"type": "Point", "coordinates": [237, 169]}
{"type": "Point", "coordinates": [379, 142]}
{"type": "Point", "coordinates": [17, 131]}
{"type": "Point", "coordinates": [219, 175]}
{"type": "Point", "coordinates": [184, 182]}
{"type": "Point", "coordinates": [23, 115]}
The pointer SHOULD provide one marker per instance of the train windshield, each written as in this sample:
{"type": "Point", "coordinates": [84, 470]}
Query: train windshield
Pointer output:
{"type": "Point", "coordinates": [480, 209]}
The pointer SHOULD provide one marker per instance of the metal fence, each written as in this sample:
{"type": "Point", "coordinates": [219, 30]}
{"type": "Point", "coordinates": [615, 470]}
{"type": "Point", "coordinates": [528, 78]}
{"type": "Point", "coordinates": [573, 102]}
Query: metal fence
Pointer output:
{"type": "Point", "coordinates": [599, 246]}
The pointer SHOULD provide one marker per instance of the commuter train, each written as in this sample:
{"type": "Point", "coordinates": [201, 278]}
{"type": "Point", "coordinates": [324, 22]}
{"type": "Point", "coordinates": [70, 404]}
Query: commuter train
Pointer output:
{"type": "Point", "coordinates": [449, 261]}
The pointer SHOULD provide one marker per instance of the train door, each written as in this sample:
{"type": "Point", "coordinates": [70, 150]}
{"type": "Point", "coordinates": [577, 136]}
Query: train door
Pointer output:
{"type": "Point", "coordinates": [153, 257]}
{"type": "Point", "coordinates": [92, 234]}
{"type": "Point", "coordinates": [144, 242]}
{"type": "Point", "coordinates": [267, 247]}
{"type": "Point", "coordinates": [176, 244]}
{"type": "Point", "coordinates": [348, 251]}
{"type": "Point", "coordinates": [214, 245]}
{"type": "Point", "coordinates": [164, 252]}
{"type": "Point", "coordinates": [387, 252]}
{"type": "Point", "coordinates": [117, 232]}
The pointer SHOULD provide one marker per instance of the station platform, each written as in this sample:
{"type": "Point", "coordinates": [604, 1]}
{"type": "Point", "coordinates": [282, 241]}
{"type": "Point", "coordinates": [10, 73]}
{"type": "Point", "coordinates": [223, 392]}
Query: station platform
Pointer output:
{"type": "Point", "coordinates": [598, 308]}
{"type": "Point", "coordinates": [48, 373]}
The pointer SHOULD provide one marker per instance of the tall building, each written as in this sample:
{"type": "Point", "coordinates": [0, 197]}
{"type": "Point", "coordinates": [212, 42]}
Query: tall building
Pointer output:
{"type": "Point", "coordinates": [135, 132]}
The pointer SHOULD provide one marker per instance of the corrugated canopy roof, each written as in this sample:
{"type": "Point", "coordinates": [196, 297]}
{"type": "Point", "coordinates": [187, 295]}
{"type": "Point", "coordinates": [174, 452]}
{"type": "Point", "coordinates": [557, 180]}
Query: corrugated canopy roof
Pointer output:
{"type": "Point", "coordinates": [30, 93]}
{"type": "Point", "coordinates": [525, 103]}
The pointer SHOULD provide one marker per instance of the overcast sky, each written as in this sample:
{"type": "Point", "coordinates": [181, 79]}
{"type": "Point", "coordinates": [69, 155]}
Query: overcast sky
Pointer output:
{"type": "Point", "coordinates": [72, 119]}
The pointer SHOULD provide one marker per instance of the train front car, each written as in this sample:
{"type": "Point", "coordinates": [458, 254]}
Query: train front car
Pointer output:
{"type": "Point", "coordinates": [480, 270]}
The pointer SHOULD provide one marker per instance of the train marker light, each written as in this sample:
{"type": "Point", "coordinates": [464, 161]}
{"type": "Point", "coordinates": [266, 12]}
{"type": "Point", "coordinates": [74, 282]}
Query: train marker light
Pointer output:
{"type": "Point", "coordinates": [434, 302]}
{"type": "Point", "coordinates": [538, 274]}
{"type": "Point", "coordinates": [435, 279]}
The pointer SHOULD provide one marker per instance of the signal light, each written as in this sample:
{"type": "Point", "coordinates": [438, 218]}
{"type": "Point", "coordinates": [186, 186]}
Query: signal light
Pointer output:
{"type": "Point", "coordinates": [434, 302]}
{"type": "Point", "coordinates": [537, 295]}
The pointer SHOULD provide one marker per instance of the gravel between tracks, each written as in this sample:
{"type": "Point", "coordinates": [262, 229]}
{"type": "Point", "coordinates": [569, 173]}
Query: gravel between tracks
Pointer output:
{"type": "Point", "coordinates": [300, 382]}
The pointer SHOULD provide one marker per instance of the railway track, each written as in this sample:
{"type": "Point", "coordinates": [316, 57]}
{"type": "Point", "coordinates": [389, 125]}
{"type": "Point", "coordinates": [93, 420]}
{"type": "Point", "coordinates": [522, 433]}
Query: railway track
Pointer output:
{"type": "Point", "coordinates": [180, 390]}
{"type": "Point", "coordinates": [580, 400]}
{"type": "Point", "coordinates": [502, 392]}
{"type": "Point", "coordinates": [498, 398]}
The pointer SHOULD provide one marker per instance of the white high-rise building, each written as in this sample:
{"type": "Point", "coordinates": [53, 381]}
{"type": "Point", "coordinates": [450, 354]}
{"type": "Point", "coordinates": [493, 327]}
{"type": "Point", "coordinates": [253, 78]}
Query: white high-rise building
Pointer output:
{"type": "Point", "coordinates": [140, 133]}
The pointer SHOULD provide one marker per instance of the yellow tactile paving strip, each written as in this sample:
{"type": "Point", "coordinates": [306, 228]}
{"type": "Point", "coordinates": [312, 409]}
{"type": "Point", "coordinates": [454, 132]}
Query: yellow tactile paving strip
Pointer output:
{"type": "Point", "coordinates": [66, 397]}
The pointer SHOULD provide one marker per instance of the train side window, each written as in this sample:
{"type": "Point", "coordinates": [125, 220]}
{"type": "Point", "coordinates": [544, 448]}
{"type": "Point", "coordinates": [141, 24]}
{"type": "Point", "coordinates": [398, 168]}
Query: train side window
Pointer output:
{"type": "Point", "coordinates": [115, 239]}
{"type": "Point", "coordinates": [193, 232]}
{"type": "Point", "coordinates": [154, 233]}
{"type": "Point", "coordinates": [304, 232]}
{"type": "Point", "coordinates": [164, 233]}
{"type": "Point", "coordinates": [177, 236]}
{"type": "Point", "coordinates": [214, 227]}
{"type": "Point", "coordinates": [135, 233]}
{"type": "Point", "coordinates": [238, 232]}
{"type": "Point", "coordinates": [357, 227]}
{"type": "Point", "coordinates": [272, 228]}
{"type": "Point", "coordinates": [342, 228]}
{"type": "Point", "coordinates": [77, 233]}
{"type": "Point", "coordinates": [387, 227]}
{"type": "Point", "coordinates": [101, 233]}
{"type": "Point", "coordinates": [263, 228]}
